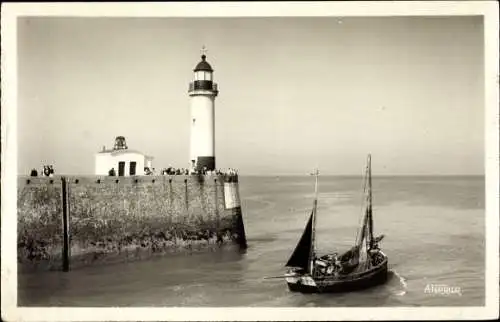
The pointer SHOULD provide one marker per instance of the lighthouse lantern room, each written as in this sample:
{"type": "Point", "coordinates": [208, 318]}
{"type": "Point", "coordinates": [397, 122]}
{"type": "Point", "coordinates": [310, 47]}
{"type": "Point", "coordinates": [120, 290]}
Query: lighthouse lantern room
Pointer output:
{"type": "Point", "coordinates": [202, 92]}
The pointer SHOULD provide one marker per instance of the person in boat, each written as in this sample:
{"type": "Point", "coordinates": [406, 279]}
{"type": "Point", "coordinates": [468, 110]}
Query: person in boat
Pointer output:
{"type": "Point", "coordinates": [331, 269]}
{"type": "Point", "coordinates": [337, 263]}
{"type": "Point", "coordinates": [374, 246]}
{"type": "Point", "coordinates": [375, 250]}
{"type": "Point", "coordinates": [321, 265]}
{"type": "Point", "coordinates": [328, 264]}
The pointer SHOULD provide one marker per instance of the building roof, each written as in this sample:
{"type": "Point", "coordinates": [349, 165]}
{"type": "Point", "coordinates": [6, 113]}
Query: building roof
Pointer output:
{"type": "Point", "coordinates": [203, 65]}
{"type": "Point", "coordinates": [123, 151]}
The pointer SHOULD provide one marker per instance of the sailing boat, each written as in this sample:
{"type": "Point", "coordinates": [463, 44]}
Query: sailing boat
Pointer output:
{"type": "Point", "coordinates": [362, 266]}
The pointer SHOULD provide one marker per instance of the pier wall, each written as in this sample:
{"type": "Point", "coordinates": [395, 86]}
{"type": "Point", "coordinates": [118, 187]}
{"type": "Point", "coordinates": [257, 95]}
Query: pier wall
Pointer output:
{"type": "Point", "coordinates": [123, 218]}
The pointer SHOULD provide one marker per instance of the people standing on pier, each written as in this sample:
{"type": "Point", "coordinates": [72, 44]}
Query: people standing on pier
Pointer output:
{"type": "Point", "coordinates": [230, 172]}
{"type": "Point", "coordinates": [46, 171]}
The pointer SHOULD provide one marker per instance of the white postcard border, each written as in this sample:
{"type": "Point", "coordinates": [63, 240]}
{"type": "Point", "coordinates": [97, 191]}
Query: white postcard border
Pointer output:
{"type": "Point", "coordinates": [10, 12]}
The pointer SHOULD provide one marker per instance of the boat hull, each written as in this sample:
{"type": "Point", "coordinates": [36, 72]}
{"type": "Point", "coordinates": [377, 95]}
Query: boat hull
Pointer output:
{"type": "Point", "coordinates": [347, 283]}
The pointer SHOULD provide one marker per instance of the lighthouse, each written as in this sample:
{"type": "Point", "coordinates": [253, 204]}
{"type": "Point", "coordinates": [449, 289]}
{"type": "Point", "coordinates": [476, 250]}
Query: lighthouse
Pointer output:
{"type": "Point", "coordinates": [202, 92]}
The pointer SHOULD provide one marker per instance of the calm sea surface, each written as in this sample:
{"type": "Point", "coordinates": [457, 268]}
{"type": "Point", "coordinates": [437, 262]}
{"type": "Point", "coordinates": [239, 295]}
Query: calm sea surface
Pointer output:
{"type": "Point", "coordinates": [434, 229]}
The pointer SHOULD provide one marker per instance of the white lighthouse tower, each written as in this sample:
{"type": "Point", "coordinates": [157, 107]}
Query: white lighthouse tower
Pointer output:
{"type": "Point", "coordinates": [202, 91]}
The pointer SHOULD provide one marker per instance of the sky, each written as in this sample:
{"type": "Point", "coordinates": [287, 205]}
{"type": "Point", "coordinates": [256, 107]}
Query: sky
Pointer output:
{"type": "Point", "coordinates": [296, 93]}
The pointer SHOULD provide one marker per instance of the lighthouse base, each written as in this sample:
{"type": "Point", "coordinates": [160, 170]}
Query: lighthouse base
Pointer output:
{"type": "Point", "coordinates": [205, 162]}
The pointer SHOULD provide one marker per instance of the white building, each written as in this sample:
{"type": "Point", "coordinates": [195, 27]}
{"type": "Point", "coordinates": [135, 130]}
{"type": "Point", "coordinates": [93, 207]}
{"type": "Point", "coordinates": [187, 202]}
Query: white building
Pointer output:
{"type": "Point", "coordinates": [122, 160]}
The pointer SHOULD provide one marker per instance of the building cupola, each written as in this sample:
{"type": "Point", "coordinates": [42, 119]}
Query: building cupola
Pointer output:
{"type": "Point", "coordinates": [203, 65]}
{"type": "Point", "coordinates": [120, 143]}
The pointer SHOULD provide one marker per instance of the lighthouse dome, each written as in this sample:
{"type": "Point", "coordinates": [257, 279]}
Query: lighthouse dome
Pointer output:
{"type": "Point", "coordinates": [203, 65]}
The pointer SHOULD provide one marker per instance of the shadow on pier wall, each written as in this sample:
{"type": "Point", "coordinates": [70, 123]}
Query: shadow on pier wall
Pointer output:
{"type": "Point", "coordinates": [122, 218]}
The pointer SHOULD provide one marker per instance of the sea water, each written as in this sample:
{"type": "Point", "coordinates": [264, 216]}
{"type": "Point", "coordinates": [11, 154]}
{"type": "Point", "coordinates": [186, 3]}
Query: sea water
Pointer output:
{"type": "Point", "coordinates": [434, 231]}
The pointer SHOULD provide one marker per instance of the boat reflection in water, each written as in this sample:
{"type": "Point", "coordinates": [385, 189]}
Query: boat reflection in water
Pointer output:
{"type": "Point", "coordinates": [363, 266]}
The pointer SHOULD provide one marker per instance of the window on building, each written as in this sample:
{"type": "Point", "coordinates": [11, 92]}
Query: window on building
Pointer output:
{"type": "Point", "coordinates": [203, 76]}
{"type": "Point", "coordinates": [121, 169]}
{"type": "Point", "coordinates": [133, 166]}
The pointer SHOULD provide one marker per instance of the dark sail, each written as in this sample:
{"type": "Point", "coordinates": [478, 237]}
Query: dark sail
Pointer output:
{"type": "Point", "coordinates": [300, 256]}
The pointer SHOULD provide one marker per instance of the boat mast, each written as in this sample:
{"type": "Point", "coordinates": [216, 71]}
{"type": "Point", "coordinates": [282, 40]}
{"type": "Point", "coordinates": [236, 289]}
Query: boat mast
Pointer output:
{"type": "Point", "coordinates": [313, 232]}
{"type": "Point", "coordinates": [370, 213]}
